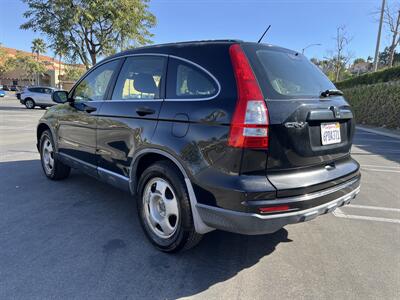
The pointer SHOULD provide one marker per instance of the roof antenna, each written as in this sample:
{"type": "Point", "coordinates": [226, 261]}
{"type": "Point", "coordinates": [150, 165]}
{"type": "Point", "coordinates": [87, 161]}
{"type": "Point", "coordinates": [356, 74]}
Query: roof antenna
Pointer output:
{"type": "Point", "coordinates": [264, 34]}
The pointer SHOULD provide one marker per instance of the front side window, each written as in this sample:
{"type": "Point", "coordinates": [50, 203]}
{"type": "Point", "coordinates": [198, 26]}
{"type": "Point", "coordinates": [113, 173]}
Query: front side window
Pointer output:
{"type": "Point", "coordinates": [140, 78]}
{"type": "Point", "coordinates": [94, 85]}
{"type": "Point", "coordinates": [186, 81]}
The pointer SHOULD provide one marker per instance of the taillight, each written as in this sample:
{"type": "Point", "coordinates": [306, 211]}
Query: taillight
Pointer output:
{"type": "Point", "coordinates": [249, 126]}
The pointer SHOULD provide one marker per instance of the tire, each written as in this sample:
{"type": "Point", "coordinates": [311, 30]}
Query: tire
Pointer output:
{"type": "Point", "coordinates": [53, 168]}
{"type": "Point", "coordinates": [169, 227]}
{"type": "Point", "coordinates": [29, 103]}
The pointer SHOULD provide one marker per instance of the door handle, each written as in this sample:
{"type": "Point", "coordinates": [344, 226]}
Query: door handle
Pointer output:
{"type": "Point", "coordinates": [143, 111]}
{"type": "Point", "coordinates": [89, 109]}
{"type": "Point", "coordinates": [83, 107]}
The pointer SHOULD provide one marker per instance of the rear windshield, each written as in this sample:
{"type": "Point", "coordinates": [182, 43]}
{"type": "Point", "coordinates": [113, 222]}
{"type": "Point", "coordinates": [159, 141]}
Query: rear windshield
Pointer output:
{"type": "Point", "coordinates": [287, 74]}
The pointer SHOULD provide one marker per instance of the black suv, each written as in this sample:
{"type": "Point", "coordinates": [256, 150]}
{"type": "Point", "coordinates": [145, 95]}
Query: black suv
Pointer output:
{"type": "Point", "coordinates": [229, 135]}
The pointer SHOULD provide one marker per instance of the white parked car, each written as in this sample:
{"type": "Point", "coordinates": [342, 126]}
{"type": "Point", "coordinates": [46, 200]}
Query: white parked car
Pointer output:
{"type": "Point", "coordinates": [37, 96]}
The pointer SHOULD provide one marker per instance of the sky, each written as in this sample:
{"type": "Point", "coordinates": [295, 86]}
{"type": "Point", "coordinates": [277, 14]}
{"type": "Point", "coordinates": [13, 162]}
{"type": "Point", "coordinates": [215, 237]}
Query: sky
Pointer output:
{"type": "Point", "coordinates": [294, 23]}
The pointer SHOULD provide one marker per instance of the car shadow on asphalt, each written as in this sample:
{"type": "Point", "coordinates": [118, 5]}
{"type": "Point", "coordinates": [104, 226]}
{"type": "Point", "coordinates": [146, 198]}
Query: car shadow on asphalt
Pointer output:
{"type": "Point", "coordinates": [86, 235]}
{"type": "Point", "coordinates": [375, 144]}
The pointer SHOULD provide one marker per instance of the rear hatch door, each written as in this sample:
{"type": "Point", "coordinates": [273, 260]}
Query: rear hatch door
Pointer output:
{"type": "Point", "coordinates": [310, 135]}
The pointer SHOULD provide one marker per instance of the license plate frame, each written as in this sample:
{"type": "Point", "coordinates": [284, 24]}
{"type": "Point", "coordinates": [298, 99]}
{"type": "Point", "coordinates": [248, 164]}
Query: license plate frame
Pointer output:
{"type": "Point", "coordinates": [330, 133]}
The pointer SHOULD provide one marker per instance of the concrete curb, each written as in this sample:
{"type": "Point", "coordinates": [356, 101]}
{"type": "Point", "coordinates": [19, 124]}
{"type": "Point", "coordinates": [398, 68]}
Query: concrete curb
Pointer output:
{"type": "Point", "coordinates": [380, 132]}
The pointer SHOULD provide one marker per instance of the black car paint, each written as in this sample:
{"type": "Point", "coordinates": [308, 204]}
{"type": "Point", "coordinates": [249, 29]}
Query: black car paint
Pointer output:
{"type": "Point", "coordinates": [195, 133]}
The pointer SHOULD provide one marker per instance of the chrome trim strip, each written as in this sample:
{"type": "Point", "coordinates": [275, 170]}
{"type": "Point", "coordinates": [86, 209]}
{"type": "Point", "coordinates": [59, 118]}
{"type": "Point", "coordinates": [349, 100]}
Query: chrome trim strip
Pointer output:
{"type": "Point", "coordinates": [77, 160]}
{"type": "Point", "coordinates": [305, 197]}
{"type": "Point", "coordinates": [155, 54]}
{"type": "Point", "coordinates": [128, 55]}
{"type": "Point", "coordinates": [95, 167]}
{"type": "Point", "coordinates": [130, 100]}
{"type": "Point", "coordinates": [104, 61]}
{"type": "Point", "coordinates": [205, 71]}
{"type": "Point", "coordinates": [330, 204]}
{"type": "Point", "coordinates": [113, 174]}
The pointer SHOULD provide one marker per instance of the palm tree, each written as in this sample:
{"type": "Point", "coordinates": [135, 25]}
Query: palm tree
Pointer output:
{"type": "Point", "coordinates": [38, 47]}
{"type": "Point", "coordinates": [61, 50]}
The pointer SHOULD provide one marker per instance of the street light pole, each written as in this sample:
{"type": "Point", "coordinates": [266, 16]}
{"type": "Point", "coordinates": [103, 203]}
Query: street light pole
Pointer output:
{"type": "Point", "coordinates": [308, 46]}
{"type": "Point", "coordinates": [378, 41]}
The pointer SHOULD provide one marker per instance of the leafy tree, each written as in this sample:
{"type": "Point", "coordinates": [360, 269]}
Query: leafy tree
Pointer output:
{"type": "Point", "coordinates": [359, 61]}
{"type": "Point", "coordinates": [385, 58]}
{"type": "Point", "coordinates": [7, 63]}
{"type": "Point", "coordinates": [3, 53]}
{"type": "Point", "coordinates": [326, 65]}
{"type": "Point", "coordinates": [91, 28]}
{"type": "Point", "coordinates": [73, 73]}
{"type": "Point", "coordinates": [29, 65]}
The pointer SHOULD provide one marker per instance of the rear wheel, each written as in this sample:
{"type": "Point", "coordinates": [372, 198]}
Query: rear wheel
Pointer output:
{"type": "Point", "coordinates": [164, 208]}
{"type": "Point", "coordinates": [52, 166]}
{"type": "Point", "coordinates": [29, 103]}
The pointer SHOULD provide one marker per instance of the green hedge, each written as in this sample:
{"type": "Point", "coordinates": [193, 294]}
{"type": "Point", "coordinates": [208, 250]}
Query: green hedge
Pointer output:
{"type": "Point", "coordinates": [371, 78]}
{"type": "Point", "coordinates": [377, 104]}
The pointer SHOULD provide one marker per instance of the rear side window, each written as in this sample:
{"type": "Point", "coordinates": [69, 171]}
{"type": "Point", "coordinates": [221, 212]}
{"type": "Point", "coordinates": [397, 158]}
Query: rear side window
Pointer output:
{"type": "Point", "coordinates": [187, 81]}
{"type": "Point", "coordinates": [140, 78]}
{"type": "Point", "coordinates": [35, 90]}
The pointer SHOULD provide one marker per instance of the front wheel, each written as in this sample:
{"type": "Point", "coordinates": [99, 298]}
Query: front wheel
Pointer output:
{"type": "Point", "coordinates": [164, 208]}
{"type": "Point", "coordinates": [53, 168]}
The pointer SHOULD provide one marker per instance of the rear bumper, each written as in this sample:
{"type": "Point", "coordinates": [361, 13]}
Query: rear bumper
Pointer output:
{"type": "Point", "coordinates": [254, 223]}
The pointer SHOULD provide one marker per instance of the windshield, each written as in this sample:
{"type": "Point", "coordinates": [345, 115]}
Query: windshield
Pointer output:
{"type": "Point", "coordinates": [290, 75]}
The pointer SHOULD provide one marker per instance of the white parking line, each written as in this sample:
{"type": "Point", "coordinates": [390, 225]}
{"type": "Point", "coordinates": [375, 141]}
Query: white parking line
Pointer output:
{"type": "Point", "coordinates": [378, 140]}
{"type": "Point", "coordinates": [380, 170]}
{"type": "Point", "coordinates": [381, 167]}
{"type": "Point", "coordinates": [375, 207]}
{"type": "Point", "coordinates": [339, 213]}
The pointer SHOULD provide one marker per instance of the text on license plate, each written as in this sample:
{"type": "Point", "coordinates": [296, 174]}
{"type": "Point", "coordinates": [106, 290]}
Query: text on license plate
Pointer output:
{"type": "Point", "coordinates": [330, 133]}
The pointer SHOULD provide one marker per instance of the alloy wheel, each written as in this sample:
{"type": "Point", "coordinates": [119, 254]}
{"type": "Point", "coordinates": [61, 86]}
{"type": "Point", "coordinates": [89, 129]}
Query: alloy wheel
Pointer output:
{"type": "Point", "coordinates": [160, 207]}
{"type": "Point", "coordinates": [29, 104]}
{"type": "Point", "coordinates": [48, 156]}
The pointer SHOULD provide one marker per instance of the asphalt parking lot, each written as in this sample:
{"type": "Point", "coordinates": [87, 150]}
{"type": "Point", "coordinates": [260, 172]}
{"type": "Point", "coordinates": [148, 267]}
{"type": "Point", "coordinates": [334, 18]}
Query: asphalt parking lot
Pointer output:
{"type": "Point", "coordinates": [79, 238]}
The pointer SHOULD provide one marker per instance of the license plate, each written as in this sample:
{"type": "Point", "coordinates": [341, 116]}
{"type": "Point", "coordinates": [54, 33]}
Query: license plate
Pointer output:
{"type": "Point", "coordinates": [330, 133]}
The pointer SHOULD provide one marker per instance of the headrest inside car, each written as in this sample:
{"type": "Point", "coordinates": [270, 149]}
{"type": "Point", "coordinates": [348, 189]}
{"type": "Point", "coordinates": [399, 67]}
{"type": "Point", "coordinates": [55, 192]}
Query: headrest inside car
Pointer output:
{"type": "Point", "coordinates": [144, 83]}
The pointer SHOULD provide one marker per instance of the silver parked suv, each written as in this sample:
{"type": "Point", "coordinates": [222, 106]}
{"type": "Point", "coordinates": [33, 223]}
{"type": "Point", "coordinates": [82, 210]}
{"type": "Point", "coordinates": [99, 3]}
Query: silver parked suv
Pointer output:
{"type": "Point", "coordinates": [37, 96]}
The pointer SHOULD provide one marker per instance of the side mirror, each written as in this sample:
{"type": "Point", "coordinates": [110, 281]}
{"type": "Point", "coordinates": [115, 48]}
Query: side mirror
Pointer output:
{"type": "Point", "coordinates": [59, 96]}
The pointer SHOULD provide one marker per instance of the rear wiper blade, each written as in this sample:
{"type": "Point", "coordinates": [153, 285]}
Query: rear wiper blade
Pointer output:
{"type": "Point", "coordinates": [332, 92]}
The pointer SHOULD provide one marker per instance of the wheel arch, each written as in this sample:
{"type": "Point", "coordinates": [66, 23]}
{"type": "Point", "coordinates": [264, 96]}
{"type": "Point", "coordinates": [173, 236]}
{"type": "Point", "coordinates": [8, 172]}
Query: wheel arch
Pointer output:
{"type": "Point", "coordinates": [145, 158]}
{"type": "Point", "coordinates": [42, 127]}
